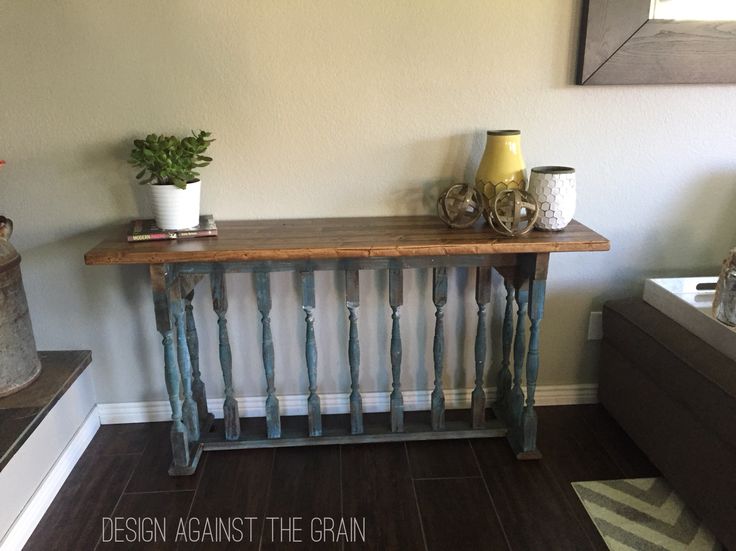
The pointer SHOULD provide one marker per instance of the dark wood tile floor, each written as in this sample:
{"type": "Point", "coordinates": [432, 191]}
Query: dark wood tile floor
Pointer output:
{"type": "Point", "coordinates": [444, 495]}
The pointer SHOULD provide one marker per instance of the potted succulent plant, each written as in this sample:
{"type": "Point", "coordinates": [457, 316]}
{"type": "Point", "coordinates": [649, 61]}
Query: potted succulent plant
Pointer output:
{"type": "Point", "coordinates": [169, 167]}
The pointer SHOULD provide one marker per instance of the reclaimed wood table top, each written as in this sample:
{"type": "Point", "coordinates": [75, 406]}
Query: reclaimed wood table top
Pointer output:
{"type": "Point", "coordinates": [322, 238]}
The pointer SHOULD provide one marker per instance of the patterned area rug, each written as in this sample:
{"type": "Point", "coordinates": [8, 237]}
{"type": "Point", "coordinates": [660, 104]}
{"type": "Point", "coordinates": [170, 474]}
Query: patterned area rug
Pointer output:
{"type": "Point", "coordinates": [643, 514]}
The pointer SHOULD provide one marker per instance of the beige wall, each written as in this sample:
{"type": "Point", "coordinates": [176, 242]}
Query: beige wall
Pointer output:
{"type": "Point", "coordinates": [327, 108]}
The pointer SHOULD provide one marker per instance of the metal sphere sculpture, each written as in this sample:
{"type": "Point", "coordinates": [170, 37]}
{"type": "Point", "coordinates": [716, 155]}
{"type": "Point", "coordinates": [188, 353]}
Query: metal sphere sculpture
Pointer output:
{"type": "Point", "coordinates": [512, 212]}
{"type": "Point", "coordinates": [460, 206]}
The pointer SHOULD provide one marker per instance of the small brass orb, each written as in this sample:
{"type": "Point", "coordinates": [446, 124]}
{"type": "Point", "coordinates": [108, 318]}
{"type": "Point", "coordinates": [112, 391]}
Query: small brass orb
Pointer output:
{"type": "Point", "coordinates": [460, 206]}
{"type": "Point", "coordinates": [512, 212]}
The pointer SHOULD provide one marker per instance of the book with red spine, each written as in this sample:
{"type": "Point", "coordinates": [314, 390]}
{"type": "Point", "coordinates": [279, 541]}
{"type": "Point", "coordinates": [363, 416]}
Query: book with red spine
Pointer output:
{"type": "Point", "coordinates": [146, 230]}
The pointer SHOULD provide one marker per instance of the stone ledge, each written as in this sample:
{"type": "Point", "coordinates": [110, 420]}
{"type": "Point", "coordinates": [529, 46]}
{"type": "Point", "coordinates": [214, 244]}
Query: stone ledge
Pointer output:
{"type": "Point", "coordinates": [22, 412]}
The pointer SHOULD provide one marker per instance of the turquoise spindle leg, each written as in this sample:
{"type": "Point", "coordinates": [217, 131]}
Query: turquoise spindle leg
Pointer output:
{"type": "Point", "coordinates": [517, 396]}
{"type": "Point", "coordinates": [178, 435]}
{"type": "Point", "coordinates": [308, 305]}
{"type": "Point", "coordinates": [396, 299]}
{"type": "Point", "coordinates": [536, 310]}
{"type": "Point", "coordinates": [189, 408]}
{"type": "Point", "coordinates": [230, 407]}
{"type": "Point", "coordinates": [482, 298]}
{"type": "Point", "coordinates": [352, 295]}
{"type": "Point", "coordinates": [439, 297]}
{"type": "Point", "coordinates": [263, 295]}
{"type": "Point", "coordinates": [198, 389]}
{"type": "Point", "coordinates": [503, 378]}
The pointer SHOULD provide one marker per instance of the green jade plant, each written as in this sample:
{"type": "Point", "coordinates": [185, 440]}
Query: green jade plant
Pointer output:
{"type": "Point", "coordinates": [170, 160]}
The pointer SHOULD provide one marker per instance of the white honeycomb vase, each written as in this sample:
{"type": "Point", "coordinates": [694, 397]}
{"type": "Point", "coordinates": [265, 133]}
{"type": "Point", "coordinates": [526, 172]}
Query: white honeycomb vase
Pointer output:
{"type": "Point", "coordinates": [554, 189]}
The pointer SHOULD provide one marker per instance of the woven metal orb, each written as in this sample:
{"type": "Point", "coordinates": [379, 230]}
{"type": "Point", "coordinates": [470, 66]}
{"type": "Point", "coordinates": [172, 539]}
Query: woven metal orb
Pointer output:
{"type": "Point", "coordinates": [512, 212]}
{"type": "Point", "coordinates": [460, 206]}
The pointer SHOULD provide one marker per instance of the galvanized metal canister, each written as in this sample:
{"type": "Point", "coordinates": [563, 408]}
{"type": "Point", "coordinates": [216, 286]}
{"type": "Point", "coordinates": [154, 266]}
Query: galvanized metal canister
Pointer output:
{"type": "Point", "coordinates": [19, 363]}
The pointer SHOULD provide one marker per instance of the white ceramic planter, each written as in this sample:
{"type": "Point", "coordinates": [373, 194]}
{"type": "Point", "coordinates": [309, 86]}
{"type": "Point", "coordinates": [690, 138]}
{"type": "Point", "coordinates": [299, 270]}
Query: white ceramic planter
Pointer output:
{"type": "Point", "coordinates": [175, 208]}
{"type": "Point", "coordinates": [554, 189]}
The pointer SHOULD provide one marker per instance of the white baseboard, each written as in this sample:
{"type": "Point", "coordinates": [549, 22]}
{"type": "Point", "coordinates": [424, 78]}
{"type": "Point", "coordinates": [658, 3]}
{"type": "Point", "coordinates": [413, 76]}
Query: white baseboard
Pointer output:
{"type": "Point", "coordinates": [296, 404]}
{"type": "Point", "coordinates": [24, 525]}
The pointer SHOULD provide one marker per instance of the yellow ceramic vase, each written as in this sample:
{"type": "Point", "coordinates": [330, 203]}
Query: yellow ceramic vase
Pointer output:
{"type": "Point", "coordinates": [502, 166]}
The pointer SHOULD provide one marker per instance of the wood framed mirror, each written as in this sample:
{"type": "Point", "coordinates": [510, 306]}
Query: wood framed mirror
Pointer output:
{"type": "Point", "coordinates": [657, 42]}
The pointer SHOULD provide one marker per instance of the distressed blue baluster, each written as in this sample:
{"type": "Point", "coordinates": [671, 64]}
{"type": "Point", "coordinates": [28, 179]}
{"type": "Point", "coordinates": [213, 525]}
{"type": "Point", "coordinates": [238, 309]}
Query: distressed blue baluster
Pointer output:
{"type": "Point", "coordinates": [503, 378]}
{"type": "Point", "coordinates": [439, 297]}
{"type": "Point", "coordinates": [308, 304]}
{"type": "Point", "coordinates": [517, 396]}
{"type": "Point", "coordinates": [164, 324]}
{"type": "Point", "coordinates": [352, 294]}
{"type": "Point", "coordinates": [536, 312]}
{"type": "Point", "coordinates": [179, 434]}
{"type": "Point", "coordinates": [482, 298]}
{"type": "Point", "coordinates": [396, 299]}
{"type": "Point", "coordinates": [230, 407]}
{"type": "Point", "coordinates": [263, 295]}
{"type": "Point", "coordinates": [189, 408]}
{"type": "Point", "coordinates": [198, 389]}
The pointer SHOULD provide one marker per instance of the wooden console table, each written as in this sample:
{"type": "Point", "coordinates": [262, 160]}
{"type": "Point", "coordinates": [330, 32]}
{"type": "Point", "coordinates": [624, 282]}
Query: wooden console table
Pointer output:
{"type": "Point", "coordinates": [350, 245]}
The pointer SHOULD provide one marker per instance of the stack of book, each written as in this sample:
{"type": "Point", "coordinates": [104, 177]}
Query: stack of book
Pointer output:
{"type": "Point", "coordinates": [146, 230]}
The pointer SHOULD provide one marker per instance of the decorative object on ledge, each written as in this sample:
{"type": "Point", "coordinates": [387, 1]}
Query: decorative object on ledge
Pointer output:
{"type": "Point", "coordinates": [724, 304]}
{"type": "Point", "coordinates": [512, 212]}
{"type": "Point", "coordinates": [460, 206]}
{"type": "Point", "coordinates": [19, 363]}
{"type": "Point", "coordinates": [656, 42]}
{"type": "Point", "coordinates": [554, 189]}
{"type": "Point", "coordinates": [147, 230]}
{"type": "Point", "coordinates": [348, 245]}
{"type": "Point", "coordinates": [169, 165]}
{"type": "Point", "coordinates": [502, 166]}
